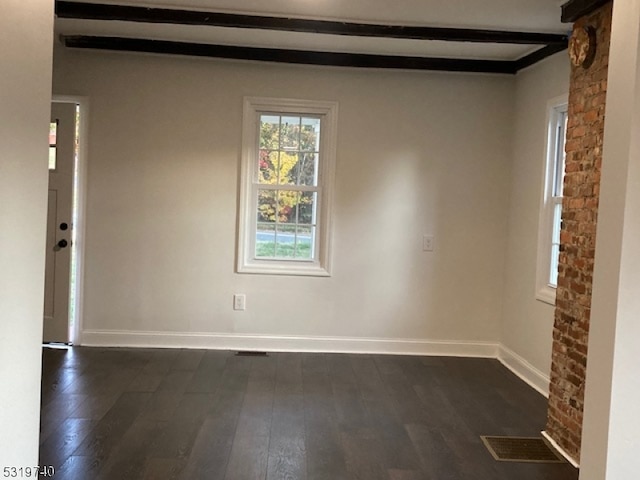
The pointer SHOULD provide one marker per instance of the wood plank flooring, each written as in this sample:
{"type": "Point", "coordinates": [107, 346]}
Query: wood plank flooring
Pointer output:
{"type": "Point", "coordinates": [127, 414]}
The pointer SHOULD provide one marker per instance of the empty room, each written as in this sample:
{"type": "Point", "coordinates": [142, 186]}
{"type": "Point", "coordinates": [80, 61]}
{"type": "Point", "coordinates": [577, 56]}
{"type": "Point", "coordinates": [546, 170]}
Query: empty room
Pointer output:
{"type": "Point", "coordinates": [320, 240]}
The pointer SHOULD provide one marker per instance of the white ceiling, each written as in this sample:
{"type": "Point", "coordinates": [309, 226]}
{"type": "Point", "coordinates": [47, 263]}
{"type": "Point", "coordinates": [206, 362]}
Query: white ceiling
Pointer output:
{"type": "Point", "coordinates": [541, 16]}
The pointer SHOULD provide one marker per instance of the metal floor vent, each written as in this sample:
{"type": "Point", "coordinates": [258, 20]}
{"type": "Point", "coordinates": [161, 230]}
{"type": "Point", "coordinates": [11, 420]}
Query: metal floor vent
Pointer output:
{"type": "Point", "coordinates": [251, 353]}
{"type": "Point", "coordinates": [521, 449]}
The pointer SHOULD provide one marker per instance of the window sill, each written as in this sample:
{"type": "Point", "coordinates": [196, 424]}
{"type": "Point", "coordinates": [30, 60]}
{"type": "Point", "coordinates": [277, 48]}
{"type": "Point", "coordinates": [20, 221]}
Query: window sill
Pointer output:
{"type": "Point", "coordinates": [285, 268]}
{"type": "Point", "coordinates": [547, 294]}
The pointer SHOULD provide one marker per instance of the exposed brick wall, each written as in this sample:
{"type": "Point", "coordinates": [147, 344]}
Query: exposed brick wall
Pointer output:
{"type": "Point", "coordinates": [585, 129]}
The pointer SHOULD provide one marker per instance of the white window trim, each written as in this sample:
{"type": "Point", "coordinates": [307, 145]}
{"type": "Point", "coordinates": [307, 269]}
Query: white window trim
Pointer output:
{"type": "Point", "coordinates": [546, 292]}
{"type": "Point", "coordinates": [246, 261]}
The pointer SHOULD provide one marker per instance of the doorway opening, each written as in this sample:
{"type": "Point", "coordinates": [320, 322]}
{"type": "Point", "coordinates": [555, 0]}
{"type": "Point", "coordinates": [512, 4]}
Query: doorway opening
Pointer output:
{"type": "Point", "coordinates": [65, 221]}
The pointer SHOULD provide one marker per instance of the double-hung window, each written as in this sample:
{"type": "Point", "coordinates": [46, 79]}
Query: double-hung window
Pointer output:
{"type": "Point", "coordinates": [288, 159]}
{"type": "Point", "coordinates": [551, 210]}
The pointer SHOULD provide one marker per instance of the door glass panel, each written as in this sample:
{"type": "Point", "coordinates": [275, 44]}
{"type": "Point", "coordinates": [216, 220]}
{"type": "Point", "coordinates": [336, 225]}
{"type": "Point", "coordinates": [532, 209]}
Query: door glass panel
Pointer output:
{"type": "Point", "coordinates": [53, 149]}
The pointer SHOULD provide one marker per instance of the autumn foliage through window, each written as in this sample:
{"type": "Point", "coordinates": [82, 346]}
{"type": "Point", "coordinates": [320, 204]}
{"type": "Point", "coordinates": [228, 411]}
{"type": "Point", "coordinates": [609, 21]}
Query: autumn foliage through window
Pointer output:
{"type": "Point", "coordinates": [287, 186]}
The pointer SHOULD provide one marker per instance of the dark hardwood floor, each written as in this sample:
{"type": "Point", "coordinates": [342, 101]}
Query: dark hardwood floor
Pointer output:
{"type": "Point", "coordinates": [201, 414]}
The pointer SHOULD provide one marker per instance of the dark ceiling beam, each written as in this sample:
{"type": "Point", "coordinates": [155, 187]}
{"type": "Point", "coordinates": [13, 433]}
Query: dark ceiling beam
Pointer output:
{"type": "Point", "coordinates": [538, 55]}
{"type": "Point", "coordinates": [96, 11]}
{"type": "Point", "coordinates": [304, 57]}
{"type": "Point", "coordinates": [575, 9]}
{"type": "Point", "coordinates": [286, 56]}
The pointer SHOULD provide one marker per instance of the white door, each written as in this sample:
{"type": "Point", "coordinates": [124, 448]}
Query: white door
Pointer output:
{"type": "Point", "coordinates": [62, 140]}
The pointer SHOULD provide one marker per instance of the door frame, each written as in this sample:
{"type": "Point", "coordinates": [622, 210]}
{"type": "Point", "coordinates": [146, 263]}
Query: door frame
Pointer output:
{"type": "Point", "coordinates": [79, 215]}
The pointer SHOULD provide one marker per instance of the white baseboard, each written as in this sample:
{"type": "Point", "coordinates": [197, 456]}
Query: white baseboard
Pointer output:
{"type": "Point", "coordinates": [271, 343]}
{"type": "Point", "coordinates": [394, 346]}
{"type": "Point", "coordinates": [523, 369]}
{"type": "Point", "coordinates": [223, 341]}
{"type": "Point", "coordinates": [560, 450]}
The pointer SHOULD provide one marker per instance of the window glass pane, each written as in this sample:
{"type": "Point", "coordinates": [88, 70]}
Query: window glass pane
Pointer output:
{"type": "Point", "coordinates": [265, 240]}
{"type": "Point", "coordinates": [53, 140]}
{"type": "Point", "coordinates": [288, 167]}
{"type": "Point", "coordinates": [555, 244]}
{"type": "Point", "coordinates": [290, 133]}
{"type": "Point", "coordinates": [561, 129]}
{"type": "Point", "coordinates": [53, 130]}
{"type": "Point", "coordinates": [555, 257]}
{"type": "Point", "coordinates": [53, 152]}
{"type": "Point", "coordinates": [310, 134]}
{"type": "Point", "coordinates": [267, 206]}
{"type": "Point", "coordinates": [305, 171]}
{"type": "Point", "coordinates": [287, 206]}
{"type": "Point", "coordinates": [267, 167]}
{"type": "Point", "coordinates": [305, 241]}
{"type": "Point", "coordinates": [270, 132]}
{"type": "Point", "coordinates": [307, 208]}
{"type": "Point", "coordinates": [557, 222]}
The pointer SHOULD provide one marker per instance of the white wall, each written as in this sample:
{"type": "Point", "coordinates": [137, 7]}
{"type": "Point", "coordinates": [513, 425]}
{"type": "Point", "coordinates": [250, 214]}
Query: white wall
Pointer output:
{"type": "Point", "coordinates": [26, 32]}
{"type": "Point", "coordinates": [417, 153]}
{"type": "Point", "coordinates": [527, 323]}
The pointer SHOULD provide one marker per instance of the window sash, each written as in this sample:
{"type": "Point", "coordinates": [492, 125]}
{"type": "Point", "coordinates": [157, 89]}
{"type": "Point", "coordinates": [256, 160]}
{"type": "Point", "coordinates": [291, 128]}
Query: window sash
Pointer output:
{"type": "Point", "coordinates": [281, 148]}
{"type": "Point", "coordinates": [314, 225]}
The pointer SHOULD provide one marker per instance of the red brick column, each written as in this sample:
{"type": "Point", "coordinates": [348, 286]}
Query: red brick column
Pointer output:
{"type": "Point", "coordinates": [585, 129]}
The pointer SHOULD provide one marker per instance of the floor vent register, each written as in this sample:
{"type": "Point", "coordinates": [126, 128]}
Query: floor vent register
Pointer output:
{"type": "Point", "coordinates": [521, 449]}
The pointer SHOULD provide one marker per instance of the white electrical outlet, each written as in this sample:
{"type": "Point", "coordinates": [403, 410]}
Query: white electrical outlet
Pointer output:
{"type": "Point", "coordinates": [239, 301]}
{"type": "Point", "coordinates": [427, 243]}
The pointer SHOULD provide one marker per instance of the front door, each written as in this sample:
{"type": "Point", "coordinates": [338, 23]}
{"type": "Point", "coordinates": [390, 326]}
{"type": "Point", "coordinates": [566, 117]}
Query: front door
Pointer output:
{"type": "Point", "coordinates": [62, 139]}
